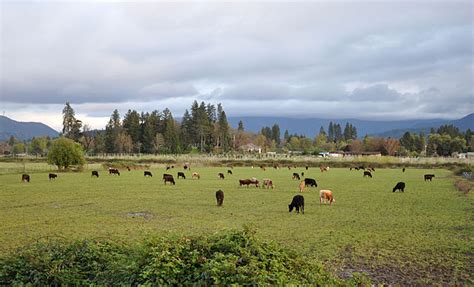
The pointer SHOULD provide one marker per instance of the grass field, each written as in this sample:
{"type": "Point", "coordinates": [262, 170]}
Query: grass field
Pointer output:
{"type": "Point", "coordinates": [422, 236]}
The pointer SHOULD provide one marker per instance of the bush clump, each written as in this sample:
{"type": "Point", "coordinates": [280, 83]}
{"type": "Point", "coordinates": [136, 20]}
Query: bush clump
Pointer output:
{"type": "Point", "coordinates": [233, 257]}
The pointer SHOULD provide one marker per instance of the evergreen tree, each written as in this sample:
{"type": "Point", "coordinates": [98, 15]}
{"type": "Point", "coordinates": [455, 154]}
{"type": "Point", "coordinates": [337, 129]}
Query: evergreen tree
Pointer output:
{"type": "Point", "coordinates": [331, 132]}
{"type": "Point", "coordinates": [224, 130]}
{"type": "Point", "coordinates": [71, 125]}
{"type": "Point", "coordinates": [187, 131]}
{"type": "Point", "coordinates": [151, 125]}
{"type": "Point", "coordinates": [322, 131]}
{"type": "Point", "coordinates": [240, 128]}
{"type": "Point", "coordinates": [276, 133]}
{"type": "Point", "coordinates": [337, 133]}
{"type": "Point", "coordinates": [286, 136]}
{"type": "Point", "coordinates": [112, 131]}
{"type": "Point", "coordinates": [132, 126]}
{"type": "Point", "coordinates": [171, 133]}
{"type": "Point", "coordinates": [347, 132]}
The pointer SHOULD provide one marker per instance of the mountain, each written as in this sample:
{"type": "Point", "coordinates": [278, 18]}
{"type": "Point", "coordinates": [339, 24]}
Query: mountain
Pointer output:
{"type": "Point", "coordinates": [23, 130]}
{"type": "Point", "coordinates": [310, 126]}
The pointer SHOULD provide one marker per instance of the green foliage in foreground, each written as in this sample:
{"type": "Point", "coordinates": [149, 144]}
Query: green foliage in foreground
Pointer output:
{"type": "Point", "coordinates": [222, 259]}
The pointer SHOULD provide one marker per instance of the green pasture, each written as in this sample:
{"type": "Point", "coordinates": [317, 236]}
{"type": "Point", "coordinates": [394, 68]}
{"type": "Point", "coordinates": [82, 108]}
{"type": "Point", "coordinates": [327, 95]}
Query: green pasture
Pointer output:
{"type": "Point", "coordinates": [422, 236]}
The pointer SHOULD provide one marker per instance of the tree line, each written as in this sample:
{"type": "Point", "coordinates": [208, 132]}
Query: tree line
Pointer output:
{"type": "Point", "coordinates": [204, 129]}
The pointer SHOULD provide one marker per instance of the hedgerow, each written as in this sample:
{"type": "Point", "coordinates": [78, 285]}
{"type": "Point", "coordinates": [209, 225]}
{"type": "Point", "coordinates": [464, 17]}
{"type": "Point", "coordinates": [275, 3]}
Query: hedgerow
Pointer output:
{"type": "Point", "coordinates": [232, 257]}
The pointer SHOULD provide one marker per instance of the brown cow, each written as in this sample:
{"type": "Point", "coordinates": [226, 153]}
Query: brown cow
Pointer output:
{"type": "Point", "coordinates": [324, 168]}
{"type": "Point", "coordinates": [267, 183]}
{"type": "Point", "coordinates": [113, 171]}
{"type": "Point", "coordinates": [302, 186]}
{"type": "Point", "coordinates": [326, 196]}
{"type": "Point", "coordinates": [168, 178]}
{"type": "Point", "coordinates": [248, 182]}
{"type": "Point", "coordinates": [196, 175]}
{"type": "Point", "coordinates": [221, 175]}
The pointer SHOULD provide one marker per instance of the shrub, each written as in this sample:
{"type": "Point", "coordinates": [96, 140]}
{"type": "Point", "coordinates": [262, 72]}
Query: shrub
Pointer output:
{"type": "Point", "coordinates": [65, 152]}
{"type": "Point", "coordinates": [233, 257]}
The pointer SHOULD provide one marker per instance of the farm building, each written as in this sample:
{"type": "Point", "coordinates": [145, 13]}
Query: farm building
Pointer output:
{"type": "Point", "coordinates": [251, 148]}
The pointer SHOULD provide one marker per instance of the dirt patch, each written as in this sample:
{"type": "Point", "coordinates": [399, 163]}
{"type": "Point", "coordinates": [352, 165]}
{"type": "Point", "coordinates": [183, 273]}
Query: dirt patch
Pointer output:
{"type": "Point", "coordinates": [142, 214]}
{"type": "Point", "coordinates": [397, 272]}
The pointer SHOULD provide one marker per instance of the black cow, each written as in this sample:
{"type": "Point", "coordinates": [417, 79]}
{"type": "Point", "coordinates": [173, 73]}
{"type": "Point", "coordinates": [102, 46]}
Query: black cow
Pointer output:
{"type": "Point", "coordinates": [114, 171]}
{"type": "Point", "coordinates": [296, 176]}
{"type": "Point", "coordinates": [168, 178]}
{"type": "Point", "coordinates": [220, 197]}
{"type": "Point", "coordinates": [221, 175]}
{"type": "Point", "coordinates": [95, 173]}
{"type": "Point", "coordinates": [400, 186]}
{"type": "Point", "coordinates": [52, 176]}
{"type": "Point", "coordinates": [185, 166]}
{"type": "Point", "coordinates": [297, 203]}
{"type": "Point", "coordinates": [229, 171]}
{"type": "Point", "coordinates": [307, 167]}
{"type": "Point", "coordinates": [128, 168]}
{"type": "Point", "coordinates": [429, 177]}
{"type": "Point", "coordinates": [181, 174]}
{"type": "Point", "coordinates": [147, 173]}
{"type": "Point", "coordinates": [25, 177]}
{"type": "Point", "coordinates": [403, 169]}
{"type": "Point", "coordinates": [310, 182]}
{"type": "Point", "coordinates": [367, 173]}
{"type": "Point", "coordinates": [167, 168]}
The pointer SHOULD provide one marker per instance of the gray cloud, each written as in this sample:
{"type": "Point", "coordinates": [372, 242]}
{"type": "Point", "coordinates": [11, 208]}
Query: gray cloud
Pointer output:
{"type": "Point", "coordinates": [417, 57]}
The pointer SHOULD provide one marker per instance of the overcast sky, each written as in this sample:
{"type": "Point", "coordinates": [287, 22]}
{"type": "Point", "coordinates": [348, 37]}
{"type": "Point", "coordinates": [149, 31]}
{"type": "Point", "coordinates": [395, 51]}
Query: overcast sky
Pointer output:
{"type": "Point", "coordinates": [352, 59]}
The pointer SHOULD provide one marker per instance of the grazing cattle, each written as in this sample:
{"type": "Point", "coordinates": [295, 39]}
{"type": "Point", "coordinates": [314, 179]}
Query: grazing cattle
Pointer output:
{"type": "Point", "coordinates": [262, 167]}
{"type": "Point", "coordinates": [302, 174]}
{"type": "Point", "coordinates": [302, 186]}
{"type": "Point", "coordinates": [220, 197]}
{"type": "Point", "coordinates": [310, 182]}
{"type": "Point", "coordinates": [147, 173]}
{"type": "Point", "coordinates": [267, 183]}
{"type": "Point", "coordinates": [403, 169]}
{"type": "Point", "coordinates": [221, 175]}
{"type": "Point", "coordinates": [400, 186]}
{"type": "Point", "coordinates": [196, 175]}
{"type": "Point", "coordinates": [168, 178]}
{"type": "Point", "coordinates": [95, 173]}
{"type": "Point", "coordinates": [114, 171]}
{"type": "Point", "coordinates": [370, 169]}
{"type": "Point", "coordinates": [361, 167]}
{"type": "Point", "coordinates": [367, 173]}
{"type": "Point", "coordinates": [186, 166]}
{"type": "Point", "coordinates": [181, 174]}
{"type": "Point", "coordinates": [168, 168]}
{"type": "Point", "coordinates": [325, 196]}
{"type": "Point", "coordinates": [324, 168]}
{"type": "Point", "coordinates": [306, 167]}
{"type": "Point", "coordinates": [25, 177]}
{"type": "Point", "coordinates": [52, 176]}
{"type": "Point", "coordinates": [296, 176]}
{"type": "Point", "coordinates": [128, 168]}
{"type": "Point", "coordinates": [297, 203]}
{"type": "Point", "coordinates": [429, 177]}
{"type": "Point", "coordinates": [229, 171]}
{"type": "Point", "coordinates": [248, 182]}
{"type": "Point", "coordinates": [276, 166]}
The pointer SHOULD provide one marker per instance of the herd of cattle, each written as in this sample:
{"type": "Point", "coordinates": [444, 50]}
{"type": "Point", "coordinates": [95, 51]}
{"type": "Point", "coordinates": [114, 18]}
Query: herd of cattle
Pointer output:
{"type": "Point", "coordinates": [325, 196]}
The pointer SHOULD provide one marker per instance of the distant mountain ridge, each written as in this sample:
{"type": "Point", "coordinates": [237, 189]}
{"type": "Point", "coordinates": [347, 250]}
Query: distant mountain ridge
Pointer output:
{"type": "Point", "coordinates": [310, 126]}
{"type": "Point", "coordinates": [24, 130]}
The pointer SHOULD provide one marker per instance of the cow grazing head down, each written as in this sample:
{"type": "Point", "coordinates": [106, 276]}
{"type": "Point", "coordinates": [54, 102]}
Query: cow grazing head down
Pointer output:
{"type": "Point", "coordinates": [297, 203]}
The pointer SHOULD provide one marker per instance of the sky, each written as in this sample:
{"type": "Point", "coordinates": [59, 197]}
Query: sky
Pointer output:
{"type": "Point", "coordinates": [381, 60]}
